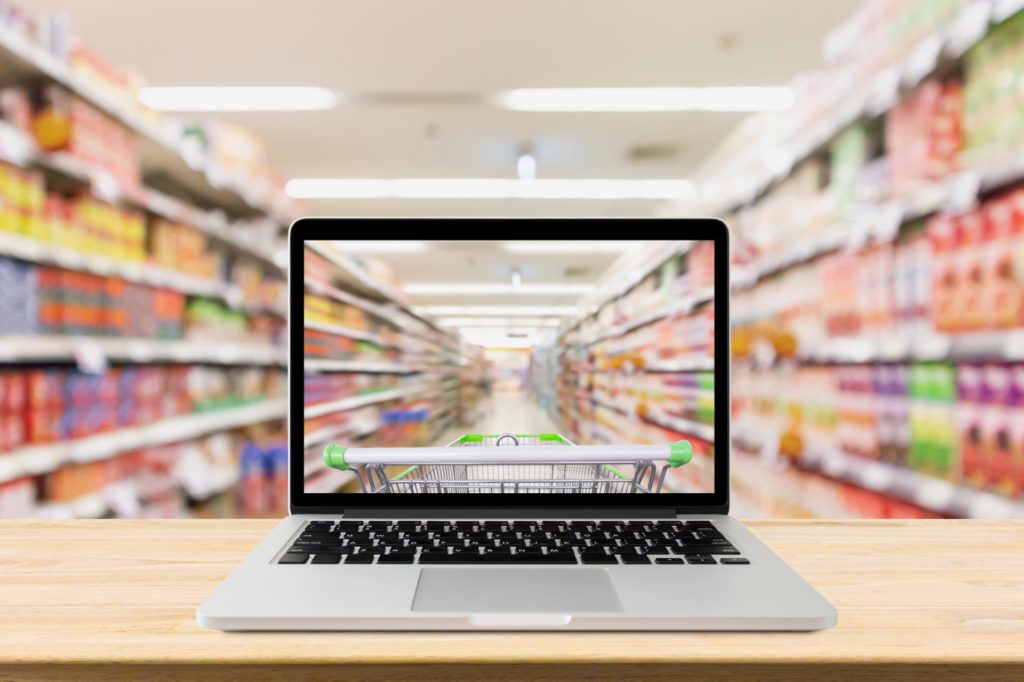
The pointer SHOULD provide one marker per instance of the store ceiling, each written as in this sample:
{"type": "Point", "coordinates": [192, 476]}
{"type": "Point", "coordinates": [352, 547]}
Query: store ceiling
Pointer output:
{"type": "Point", "coordinates": [425, 56]}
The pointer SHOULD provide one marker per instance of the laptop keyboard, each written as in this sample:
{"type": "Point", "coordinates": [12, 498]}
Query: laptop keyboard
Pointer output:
{"type": "Point", "coordinates": [512, 542]}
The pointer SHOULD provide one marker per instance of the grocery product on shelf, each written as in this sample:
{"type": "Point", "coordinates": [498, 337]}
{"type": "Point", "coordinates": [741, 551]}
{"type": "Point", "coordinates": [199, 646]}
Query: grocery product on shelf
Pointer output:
{"type": "Point", "coordinates": [923, 134]}
{"type": "Point", "coordinates": [993, 69]}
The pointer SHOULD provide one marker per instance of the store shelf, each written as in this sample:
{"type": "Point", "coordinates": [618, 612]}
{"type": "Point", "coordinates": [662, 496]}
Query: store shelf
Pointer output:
{"type": "Point", "coordinates": [353, 402]}
{"type": "Point", "coordinates": [18, 148]}
{"type": "Point", "coordinates": [954, 193]}
{"type": "Point", "coordinates": [17, 246]}
{"type": "Point", "coordinates": [996, 346]}
{"type": "Point", "coordinates": [216, 482]}
{"type": "Point", "coordinates": [351, 333]}
{"type": "Point", "coordinates": [40, 459]}
{"type": "Point", "coordinates": [928, 492]}
{"type": "Point", "coordinates": [74, 348]}
{"type": "Point", "coordinates": [313, 365]}
{"type": "Point", "coordinates": [368, 285]}
{"type": "Point", "coordinates": [681, 426]}
{"type": "Point", "coordinates": [91, 506]}
{"type": "Point", "coordinates": [196, 175]}
{"type": "Point", "coordinates": [332, 433]}
{"type": "Point", "coordinates": [681, 307]}
{"type": "Point", "coordinates": [638, 270]}
{"type": "Point", "coordinates": [932, 52]}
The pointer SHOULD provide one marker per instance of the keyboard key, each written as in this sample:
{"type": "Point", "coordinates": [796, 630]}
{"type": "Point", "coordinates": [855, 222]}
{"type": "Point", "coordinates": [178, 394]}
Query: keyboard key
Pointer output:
{"type": "Point", "coordinates": [350, 525]}
{"type": "Point", "coordinates": [701, 559]}
{"type": "Point", "coordinates": [634, 559]}
{"type": "Point", "coordinates": [733, 560]}
{"type": "Point", "coordinates": [293, 558]}
{"type": "Point", "coordinates": [662, 560]}
{"type": "Point", "coordinates": [327, 558]}
{"type": "Point", "coordinates": [595, 558]}
{"type": "Point", "coordinates": [396, 559]}
{"type": "Point", "coordinates": [361, 558]}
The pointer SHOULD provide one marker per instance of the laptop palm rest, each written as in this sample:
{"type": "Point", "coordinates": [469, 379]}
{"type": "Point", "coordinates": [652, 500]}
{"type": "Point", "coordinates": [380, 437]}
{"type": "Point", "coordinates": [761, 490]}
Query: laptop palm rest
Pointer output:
{"type": "Point", "coordinates": [551, 593]}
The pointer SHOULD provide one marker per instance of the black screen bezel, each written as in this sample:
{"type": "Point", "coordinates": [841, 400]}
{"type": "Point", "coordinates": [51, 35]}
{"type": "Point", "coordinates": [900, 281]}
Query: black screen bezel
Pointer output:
{"type": "Point", "coordinates": [534, 229]}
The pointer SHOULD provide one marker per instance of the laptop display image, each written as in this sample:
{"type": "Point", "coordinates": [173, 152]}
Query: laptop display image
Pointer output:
{"type": "Point", "coordinates": [531, 394]}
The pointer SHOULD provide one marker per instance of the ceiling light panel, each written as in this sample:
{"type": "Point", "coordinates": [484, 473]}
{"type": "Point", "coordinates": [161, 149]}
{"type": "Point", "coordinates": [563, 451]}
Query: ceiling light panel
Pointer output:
{"type": "Point", "coordinates": [487, 188]}
{"type": "Point", "coordinates": [754, 98]}
{"type": "Point", "coordinates": [505, 310]}
{"type": "Point", "coordinates": [238, 98]}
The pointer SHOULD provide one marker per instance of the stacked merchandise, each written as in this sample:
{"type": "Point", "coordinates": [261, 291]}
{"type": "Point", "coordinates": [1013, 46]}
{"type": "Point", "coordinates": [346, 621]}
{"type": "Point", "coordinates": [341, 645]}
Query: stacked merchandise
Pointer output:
{"type": "Point", "coordinates": [877, 343]}
{"type": "Point", "coordinates": [375, 371]}
{"type": "Point", "coordinates": [140, 334]}
{"type": "Point", "coordinates": [638, 369]}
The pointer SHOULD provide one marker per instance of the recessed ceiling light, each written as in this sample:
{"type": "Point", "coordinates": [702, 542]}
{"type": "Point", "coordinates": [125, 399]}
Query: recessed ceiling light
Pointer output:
{"type": "Point", "coordinates": [580, 246]}
{"type": "Point", "coordinates": [481, 289]}
{"type": "Point", "coordinates": [238, 98]}
{"type": "Point", "coordinates": [486, 188]}
{"type": "Point", "coordinates": [753, 98]}
{"type": "Point", "coordinates": [507, 310]}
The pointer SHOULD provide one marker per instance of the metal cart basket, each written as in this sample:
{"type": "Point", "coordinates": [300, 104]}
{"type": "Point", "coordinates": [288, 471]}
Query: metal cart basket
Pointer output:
{"type": "Point", "coordinates": [511, 463]}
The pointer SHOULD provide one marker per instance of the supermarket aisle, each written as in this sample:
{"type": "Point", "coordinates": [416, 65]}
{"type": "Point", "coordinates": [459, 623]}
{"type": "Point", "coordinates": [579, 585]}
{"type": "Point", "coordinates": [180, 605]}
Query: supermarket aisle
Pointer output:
{"type": "Point", "coordinates": [512, 411]}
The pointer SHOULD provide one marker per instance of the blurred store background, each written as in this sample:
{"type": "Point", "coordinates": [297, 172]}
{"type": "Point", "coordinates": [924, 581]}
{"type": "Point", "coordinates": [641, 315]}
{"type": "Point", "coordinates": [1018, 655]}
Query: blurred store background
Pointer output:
{"type": "Point", "coordinates": [867, 156]}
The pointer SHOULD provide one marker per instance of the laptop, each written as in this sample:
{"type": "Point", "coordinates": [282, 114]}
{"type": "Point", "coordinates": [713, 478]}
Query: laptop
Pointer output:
{"type": "Point", "coordinates": [608, 511]}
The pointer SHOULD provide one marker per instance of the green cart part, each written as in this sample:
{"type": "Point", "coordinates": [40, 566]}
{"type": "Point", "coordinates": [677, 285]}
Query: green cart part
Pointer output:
{"type": "Point", "coordinates": [334, 457]}
{"type": "Point", "coordinates": [680, 453]}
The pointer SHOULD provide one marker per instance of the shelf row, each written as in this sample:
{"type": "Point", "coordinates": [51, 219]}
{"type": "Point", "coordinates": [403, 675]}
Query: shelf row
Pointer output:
{"type": "Point", "coordinates": [969, 347]}
{"type": "Point", "coordinates": [35, 251]}
{"type": "Point", "coordinates": [882, 225]}
{"type": "Point", "coordinates": [40, 459]}
{"type": "Point", "coordinates": [367, 284]}
{"type": "Point", "coordinates": [356, 401]}
{"type": "Point", "coordinates": [193, 172]}
{"type": "Point", "coordinates": [682, 306]}
{"type": "Point", "coordinates": [97, 350]}
{"type": "Point", "coordinates": [17, 148]}
{"type": "Point", "coordinates": [685, 427]}
{"type": "Point", "coordinates": [928, 492]}
{"type": "Point", "coordinates": [930, 53]}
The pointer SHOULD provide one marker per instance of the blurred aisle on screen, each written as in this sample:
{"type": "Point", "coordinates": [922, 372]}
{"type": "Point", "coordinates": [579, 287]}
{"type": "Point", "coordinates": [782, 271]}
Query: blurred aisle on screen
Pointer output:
{"type": "Point", "coordinates": [505, 410]}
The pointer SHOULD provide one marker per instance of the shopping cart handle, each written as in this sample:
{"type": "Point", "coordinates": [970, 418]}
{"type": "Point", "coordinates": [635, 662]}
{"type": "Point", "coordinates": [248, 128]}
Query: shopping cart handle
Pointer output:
{"type": "Point", "coordinates": [675, 454]}
{"type": "Point", "coordinates": [334, 457]}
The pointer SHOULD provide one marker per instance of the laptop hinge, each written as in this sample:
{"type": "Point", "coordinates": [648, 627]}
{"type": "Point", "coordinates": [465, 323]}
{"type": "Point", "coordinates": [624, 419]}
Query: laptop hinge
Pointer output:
{"type": "Point", "coordinates": [510, 513]}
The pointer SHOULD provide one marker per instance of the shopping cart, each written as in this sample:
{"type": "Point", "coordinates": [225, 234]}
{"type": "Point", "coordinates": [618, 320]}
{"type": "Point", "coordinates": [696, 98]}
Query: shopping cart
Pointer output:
{"type": "Point", "coordinates": [511, 463]}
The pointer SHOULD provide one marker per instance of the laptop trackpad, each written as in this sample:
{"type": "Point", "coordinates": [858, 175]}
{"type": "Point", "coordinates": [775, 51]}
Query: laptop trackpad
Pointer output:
{"type": "Point", "coordinates": [515, 590]}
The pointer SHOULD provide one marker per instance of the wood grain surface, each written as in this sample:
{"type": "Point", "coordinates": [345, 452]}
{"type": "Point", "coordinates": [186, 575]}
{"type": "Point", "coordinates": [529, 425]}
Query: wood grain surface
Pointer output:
{"type": "Point", "coordinates": [116, 599]}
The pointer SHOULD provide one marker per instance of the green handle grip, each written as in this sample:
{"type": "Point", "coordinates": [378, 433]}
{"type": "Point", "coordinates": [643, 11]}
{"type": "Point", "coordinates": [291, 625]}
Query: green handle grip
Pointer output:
{"type": "Point", "coordinates": [334, 457]}
{"type": "Point", "coordinates": [680, 453]}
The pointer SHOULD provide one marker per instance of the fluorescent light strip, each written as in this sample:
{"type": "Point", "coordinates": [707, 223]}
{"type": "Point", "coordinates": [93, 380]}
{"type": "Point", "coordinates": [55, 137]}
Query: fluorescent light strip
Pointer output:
{"type": "Point", "coordinates": [506, 310]}
{"type": "Point", "coordinates": [580, 246]}
{"type": "Point", "coordinates": [238, 98]}
{"type": "Point", "coordinates": [466, 322]}
{"type": "Point", "coordinates": [486, 188]}
{"type": "Point", "coordinates": [753, 98]}
{"type": "Point", "coordinates": [484, 289]}
{"type": "Point", "coordinates": [371, 247]}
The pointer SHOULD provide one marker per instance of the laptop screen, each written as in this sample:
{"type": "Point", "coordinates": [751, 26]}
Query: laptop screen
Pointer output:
{"type": "Point", "coordinates": [507, 366]}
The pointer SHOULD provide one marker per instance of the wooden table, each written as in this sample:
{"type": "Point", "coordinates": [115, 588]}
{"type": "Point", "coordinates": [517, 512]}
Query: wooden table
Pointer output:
{"type": "Point", "coordinates": [117, 600]}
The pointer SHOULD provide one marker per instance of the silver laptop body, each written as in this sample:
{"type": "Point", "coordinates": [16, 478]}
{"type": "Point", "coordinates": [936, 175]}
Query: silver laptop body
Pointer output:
{"type": "Point", "coordinates": [760, 593]}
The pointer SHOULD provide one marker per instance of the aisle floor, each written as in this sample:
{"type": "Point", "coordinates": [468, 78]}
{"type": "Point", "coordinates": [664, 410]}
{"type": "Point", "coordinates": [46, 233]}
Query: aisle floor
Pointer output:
{"type": "Point", "coordinates": [505, 411]}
